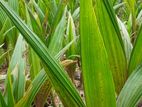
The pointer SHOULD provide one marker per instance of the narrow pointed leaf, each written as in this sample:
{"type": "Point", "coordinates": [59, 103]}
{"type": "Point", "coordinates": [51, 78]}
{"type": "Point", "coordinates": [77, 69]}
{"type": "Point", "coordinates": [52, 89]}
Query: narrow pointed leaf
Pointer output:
{"type": "Point", "coordinates": [36, 26]}
{"type": "Point", "coordinates": [113, 41]}
{"type": "Point", "coordinates": [15, 86]}
{"type": "Point", "coordinates": [71, 34]}
{"type": "Point", "coordinates": [126, 39]}
{"type": "Point", "coordinates": [58, 36]}
{"type": "Point", "coordinates": [35, 66]}
{"type": "Point", "coordinates": [39, 11]}
{"type": "Point", "coordinates": [2, 101]}
{"type": "Point", "coordinates": [60, 53]}
{"type": "Point", "coordinates": [98, 82]}
{"type": "Point", "coordinates": [136, 57]}
{"type": "Point", "coordinates": [33, 89]}
{"type": "Point", "coordinates": [76, 13]}
{"type": "Point", "coordinates": [132, 90]}
{"type": "Point", "coordinates": [56, 73]}
{"type": "Point", "coordinates": [10, 96]}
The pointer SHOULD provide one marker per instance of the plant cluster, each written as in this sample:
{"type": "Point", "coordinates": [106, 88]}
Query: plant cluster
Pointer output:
{"type": "Point", "coordinates": [55, 50]}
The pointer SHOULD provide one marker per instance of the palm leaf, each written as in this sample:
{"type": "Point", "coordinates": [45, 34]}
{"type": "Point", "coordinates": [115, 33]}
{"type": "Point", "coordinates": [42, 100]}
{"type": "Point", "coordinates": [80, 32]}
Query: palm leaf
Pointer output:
{"type": "Point", "coordinates": [17, 66]}
{"type": "Point", "coordinates": [58, 36]}
{"type": "Point", "coordinates": [2, 101]}
{"type": "Point", "coordinates": [98, 82]}
{"type": "Point", "coordinates": [136, 57]}
{"type": "Point", "coordinates": [9, 97]}
{"type": "Point", "coordinates": [126, 39]}
{"type": "Point", "coordinates": [57, 75]}
{"type": "Point", "coordinates": [113, 41]}
{"type": "Point", "coordinates": [30, 94]}
{"type": "Point", "coordinates": [131, 92]}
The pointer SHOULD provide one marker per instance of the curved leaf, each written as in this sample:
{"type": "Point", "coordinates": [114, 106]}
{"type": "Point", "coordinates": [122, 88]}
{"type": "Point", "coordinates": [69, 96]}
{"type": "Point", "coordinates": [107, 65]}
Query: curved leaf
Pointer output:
{"type": "Point", "coordinates": [56, 73]}
{"type": "Point", "coordinates": [136, 57]}
{"type": "Point", "coordinates": [126, 39]}
{"type": "Point", "coordinates": [132, 90]}
{"type": "Point", "coordinates": [98, 82]}
{"type": "Point", "coordinates": [113, 41]}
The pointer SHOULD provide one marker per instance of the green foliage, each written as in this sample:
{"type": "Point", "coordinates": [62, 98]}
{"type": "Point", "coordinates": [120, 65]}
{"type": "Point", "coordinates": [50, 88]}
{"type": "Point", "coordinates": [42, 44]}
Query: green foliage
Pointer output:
{"type": "Point", "coordinates": [41, 39]}
{"type": "Point", "coordinates": [95, 65]}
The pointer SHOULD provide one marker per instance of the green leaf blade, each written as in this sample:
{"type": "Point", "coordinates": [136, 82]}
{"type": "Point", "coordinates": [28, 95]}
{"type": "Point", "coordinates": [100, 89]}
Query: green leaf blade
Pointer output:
{"type": "Point", "coordinates": [98, 82]}
{"type": "Point", "coordinates": [136, 57]}
{"type": "Point", "coordinates": [131, 92]}
{"type": "Point", "coordinates": [113, 42]}
{"type": "Point", "coordinates": [56, 74]}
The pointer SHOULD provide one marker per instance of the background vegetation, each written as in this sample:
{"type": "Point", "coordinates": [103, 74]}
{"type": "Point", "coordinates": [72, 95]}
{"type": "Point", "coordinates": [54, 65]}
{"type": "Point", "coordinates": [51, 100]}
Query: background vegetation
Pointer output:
{"type": "Point", "coordinates": [71, 53]}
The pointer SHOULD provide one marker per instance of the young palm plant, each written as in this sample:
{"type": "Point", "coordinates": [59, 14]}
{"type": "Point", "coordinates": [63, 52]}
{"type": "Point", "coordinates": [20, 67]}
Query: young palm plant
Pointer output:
{"type": "Point", "coordinates": [110, 52]}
